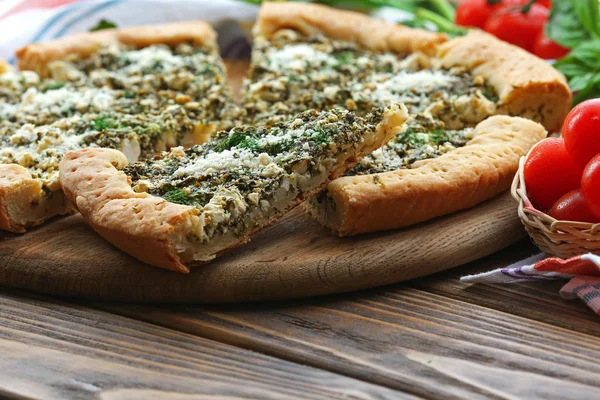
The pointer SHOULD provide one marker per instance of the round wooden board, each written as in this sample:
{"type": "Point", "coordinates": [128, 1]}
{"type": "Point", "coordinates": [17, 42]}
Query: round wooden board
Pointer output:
{"type": "Point", "coordinates": [294, 258]}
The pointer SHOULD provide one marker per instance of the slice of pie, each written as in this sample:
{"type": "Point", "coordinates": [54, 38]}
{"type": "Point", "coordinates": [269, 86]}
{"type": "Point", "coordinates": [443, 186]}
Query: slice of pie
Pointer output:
{"type": "Point", "coordinates": [309, 55]}
{"type": "Point", "coordinates": [188, 206]}
{"type": "Point", "coordinates": [141, 90]}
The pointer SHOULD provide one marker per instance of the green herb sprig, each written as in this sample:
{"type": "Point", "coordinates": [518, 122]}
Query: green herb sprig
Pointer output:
{"type": "Point", "coordinates": [576, 24]}
{"type": "Point", "coordinates": [103, 24]}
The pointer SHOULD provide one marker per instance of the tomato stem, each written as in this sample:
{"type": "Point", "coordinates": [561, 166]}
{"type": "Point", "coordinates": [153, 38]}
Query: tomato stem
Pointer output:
{"type": "Point", "coordinates": [527, 7]}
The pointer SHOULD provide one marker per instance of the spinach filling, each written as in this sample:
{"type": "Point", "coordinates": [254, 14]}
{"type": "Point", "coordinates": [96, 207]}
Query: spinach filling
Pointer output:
{"type": "Point", "coordinates": [252, 163]}
{"type": "Point", "coordinates": [409, 147]}
{"type": "Point", "coordinates": [291, 72]}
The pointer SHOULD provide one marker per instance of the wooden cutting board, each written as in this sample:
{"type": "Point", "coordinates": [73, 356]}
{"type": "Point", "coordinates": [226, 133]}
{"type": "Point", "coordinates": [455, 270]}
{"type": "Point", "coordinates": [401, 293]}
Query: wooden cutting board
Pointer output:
{"type": "Point", "coordinates": [294, 258]}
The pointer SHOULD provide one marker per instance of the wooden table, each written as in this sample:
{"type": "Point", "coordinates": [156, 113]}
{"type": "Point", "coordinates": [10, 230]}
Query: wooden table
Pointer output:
{"type": "Point", "coordinates": [429, 338]}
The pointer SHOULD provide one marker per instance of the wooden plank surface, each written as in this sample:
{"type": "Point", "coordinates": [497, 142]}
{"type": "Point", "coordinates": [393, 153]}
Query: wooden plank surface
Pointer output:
{"type": "Point", "coordinates": [424, 338]}
{"type": "Point", "coordinates": [412, 339]}
{"type": "Point", "coordinates": [55, 350]}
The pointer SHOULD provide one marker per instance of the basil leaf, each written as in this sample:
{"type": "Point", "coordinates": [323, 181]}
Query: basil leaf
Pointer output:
{"type": "Point", "coordinates": [580, 82]}
{"type": "Point", "coordinates": [572, 69]}
{"type": "Point", "coordinates": [591, 91]}
{"type": "Point", "coordinates": [585, 56]}
{"type": "Point", "coordinates": [582, 69]}
{"type": "Point", "coordinates": [589, 14]}
{"type": "Point", "coordinates": [565, 26]}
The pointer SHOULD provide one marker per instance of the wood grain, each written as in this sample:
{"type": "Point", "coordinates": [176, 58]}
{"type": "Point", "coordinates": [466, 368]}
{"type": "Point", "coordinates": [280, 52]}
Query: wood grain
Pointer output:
{"type": "Point", "coordinates": [55, 350]}
{"type": "Point", "coordinates": [294, 258]}
{"type": "Point", "coordinates": [410, 339]}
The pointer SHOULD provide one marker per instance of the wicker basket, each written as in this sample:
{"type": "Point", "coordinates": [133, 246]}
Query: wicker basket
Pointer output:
{"type": "Point", "coordinates": [561, 238]}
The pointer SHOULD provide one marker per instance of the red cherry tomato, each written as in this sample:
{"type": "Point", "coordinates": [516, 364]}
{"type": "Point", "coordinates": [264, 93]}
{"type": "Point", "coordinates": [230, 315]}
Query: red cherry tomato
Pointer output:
{"type": "Point", "coordinates": [546, 48]}
{"type": "Point", "coordinates": [514, 25]}
{"type": "Point", "coordinates": [545, 3]}
{"type": "Point", "coordinates": [581, 131]}
{"type": "Point", "coordinates": [572, 207]}
{"type": "Point", "coordinates": [474, 12]}
{"type": "Point", "coordinates": [590, 185]}
{"type": "Point", "coordinates": [550, 172]}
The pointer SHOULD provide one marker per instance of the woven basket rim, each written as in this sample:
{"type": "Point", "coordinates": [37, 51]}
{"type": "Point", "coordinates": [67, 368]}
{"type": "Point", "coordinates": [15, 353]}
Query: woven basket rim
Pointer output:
{"type": "Point", "coordinates": [528, 212]}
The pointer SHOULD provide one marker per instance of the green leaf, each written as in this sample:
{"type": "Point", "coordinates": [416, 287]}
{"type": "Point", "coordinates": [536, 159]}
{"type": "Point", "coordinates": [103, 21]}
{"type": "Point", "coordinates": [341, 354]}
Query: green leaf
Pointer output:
{"type": "Point", "coordinates": [103, 24]}
{"type": "Point", "coordinates": [580, 82]}
{"type": "Point", "coordinates": [240, 139]}
{"type": "Point", "coordinates": [444, 8]}
{"type": "Point", "coordinates": [443, 25]}
{"type": "Point", "coordinates": [104, 122]}
{"type": "Point", "coordinates": [592, 90]}
{"type": "Point", "coordinates": [589, 15]}
{"type": "Point", "coordinates": [582, 68]}
{"type": "Point", "coordinates": [179, 196]}
{"type": "Point", "coordinates": [565, 25]}
{"type": "Point", "coordinates": [53, 86]}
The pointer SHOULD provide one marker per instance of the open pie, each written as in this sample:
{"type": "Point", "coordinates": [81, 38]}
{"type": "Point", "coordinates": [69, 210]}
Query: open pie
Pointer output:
{"type": "Point", "coordinates": [475, 105]}
{"type": "Point", "coordinates": [140, 90]}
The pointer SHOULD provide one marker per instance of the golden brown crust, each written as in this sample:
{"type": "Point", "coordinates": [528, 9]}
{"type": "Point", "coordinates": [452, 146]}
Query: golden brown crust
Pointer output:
{"type": "Point", "coordinates": [36, 56]}
{"type": "Point", "coordinates": [137, 222]}
{"type": "Point", "coordinates": [351, 26]}
{"type": "Point", "coordinates": [457, 180]}
{"type": "Point", "coordinates": [527, 86]}
{"type": "Point", "coordinates": [23, 203]}
{"type": "Point", "coordinates": [5, 67]}
{"type": "Point", "coordinates": [155, 230]}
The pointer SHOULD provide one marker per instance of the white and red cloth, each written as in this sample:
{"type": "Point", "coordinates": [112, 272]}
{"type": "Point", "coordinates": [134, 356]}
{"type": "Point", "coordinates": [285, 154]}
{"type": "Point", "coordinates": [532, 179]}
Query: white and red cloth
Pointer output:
{"type": "Point", "coordinates": [26, 21]}
{"type": "Point", "coordinates": [582, 271]}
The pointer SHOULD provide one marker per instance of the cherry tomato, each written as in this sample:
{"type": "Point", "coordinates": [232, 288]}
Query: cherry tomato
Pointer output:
{"type": "Point", "coordinates": [514, 25]}
{"type": "Point", "coordinates": [546, 48]}
{"type": "Point", "coordinates": [572, 207]}
{"type": "Point", "coordinates": [545, 3]}
{"type": "Point", "coordinates": [475, 12]}
{"type": "Point", "coordinates": [590, 185]}
{"type": "Point", "coordinates": [550, 172]}
{"type": "Point", "coordinates": [581, 131]}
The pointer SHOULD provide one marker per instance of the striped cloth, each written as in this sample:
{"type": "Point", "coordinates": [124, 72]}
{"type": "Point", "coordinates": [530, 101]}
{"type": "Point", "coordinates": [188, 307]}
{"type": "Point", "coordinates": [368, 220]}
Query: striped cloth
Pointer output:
{"type": "Point", "coordinates": [27, 21]}
{"type": "Point", "coordinates": [582, 271]}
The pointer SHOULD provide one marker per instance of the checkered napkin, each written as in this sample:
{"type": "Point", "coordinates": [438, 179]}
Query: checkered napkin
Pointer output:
{"type": "Point", "coordinates": [582, 271]}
